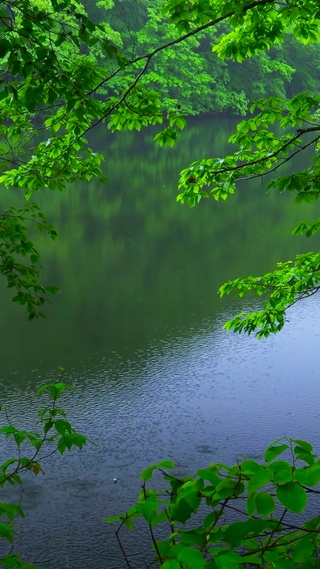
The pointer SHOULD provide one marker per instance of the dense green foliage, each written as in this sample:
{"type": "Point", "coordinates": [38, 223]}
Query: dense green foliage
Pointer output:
{"type": "Point", "coordinates": [218, 85]}
{"type": "Point", "coordinates": [232, 517]}
{"type": "Point", "coordinates": [62, 74]}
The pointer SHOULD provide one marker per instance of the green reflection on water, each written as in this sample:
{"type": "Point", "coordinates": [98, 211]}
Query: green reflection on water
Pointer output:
{"type": "Point", "coordinates": [134, 267]}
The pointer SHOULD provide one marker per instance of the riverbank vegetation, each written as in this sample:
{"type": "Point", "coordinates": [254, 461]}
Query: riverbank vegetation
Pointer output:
{"type": "Point", "coordinates": [64, 70]}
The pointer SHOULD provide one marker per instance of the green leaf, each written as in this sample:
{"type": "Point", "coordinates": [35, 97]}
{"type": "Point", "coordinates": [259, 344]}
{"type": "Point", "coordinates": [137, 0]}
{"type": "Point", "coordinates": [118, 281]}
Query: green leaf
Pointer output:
{"type": "Point", "coordinates": [283, 563]}
{"type": "Point", "coordinates": [147, 473]}
{"type": "Point", "coordinates": [265, 503]}
{"type": "Point", "coordinates": [303, 551]}
{"type": "Point", "coordinates": [181, 512]}
{"type": "Point", "coordinates": [62, 426]}
{"type": "Point", "coordinates": [228, 560]}
{"type": "Point", "coordinates": [189, 494]}
{"type": "Point", "coordinates": [112, 519]}
{"type": "Point", "coordinates": [47, 425]}
{"type": "Point", "coordinates": [273, 451]}
{"type": "Point", "coordinates": [302, 454]}
{"type": "Point", "coordinates": [250, 467]}
{"type": "Point", "coordinates": [10, 562]}
{"type": "Point", "coordinates": [292, 496]}
{"type": "Point", "coordinates": [6, 532]}
{"type": "Point", "coordinates": [192, 537]}
{"type": "Point", "coordinates": [308, 476]}
{"type": "Point", "coordinates": [165, 464]}
{"type": "Point", "coordinates": [235, 533]}
{"type": "Point", "coordinates": [304, 444]}
{"type": "Point", "coordinates": [8, 463]}
{"type": "Point", "coordinates": [11, 510]}
{"type": "Point", "coordinates": [9, 430]}
{"type": "Point", "coordinates": [171, 564]}
{"type": "Point", "coordinates": [251, 503]}
{"type": "Point", "coordinates": [5, 47]}
{"type": "Point", "coordinates": [209, 474]}
{"type": "Point", "coordinates": [192, 557]}
{"type": "Point", "coordinates": [282, 471]}
{"type": "Point", "coordinates": [259, 480]}
{"type": "Point", "coordinates": [149, 508]}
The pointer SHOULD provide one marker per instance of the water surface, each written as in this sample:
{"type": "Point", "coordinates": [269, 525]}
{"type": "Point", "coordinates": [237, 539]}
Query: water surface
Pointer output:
{"type": "Point", "coordinates": [138, 327]}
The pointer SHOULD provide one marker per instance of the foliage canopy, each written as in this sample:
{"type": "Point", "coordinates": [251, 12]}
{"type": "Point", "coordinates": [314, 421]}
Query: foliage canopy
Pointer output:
{"type": "Point", "coordinates": [62, 74]}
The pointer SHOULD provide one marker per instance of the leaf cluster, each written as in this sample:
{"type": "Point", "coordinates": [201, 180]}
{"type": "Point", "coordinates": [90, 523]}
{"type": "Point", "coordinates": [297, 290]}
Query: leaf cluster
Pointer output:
{"type": "Point", "coordinates": [61, 75]}
{"type": "Point", "coordinates": [233, 517]}
{"type": "Point", "coordinates": [277, 131]}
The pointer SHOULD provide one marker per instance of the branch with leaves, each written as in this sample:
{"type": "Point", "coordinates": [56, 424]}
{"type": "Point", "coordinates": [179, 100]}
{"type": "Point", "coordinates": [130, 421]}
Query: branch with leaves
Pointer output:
{"type": "Point", "coordinates": [63, 75]}
{"type": "Point", "coordinates": [236, 517]}
{"type": "Point", "coordinates": [262, 150]}
{"type": "Point", "coordinates": [33, 447]}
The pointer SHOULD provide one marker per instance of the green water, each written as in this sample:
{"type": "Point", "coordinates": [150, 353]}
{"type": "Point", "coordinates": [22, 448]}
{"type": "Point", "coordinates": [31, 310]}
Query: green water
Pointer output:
{"type": "Point", "coordinates": [134, 266]}
{"type": "Point", "coordinates": [138, 327]}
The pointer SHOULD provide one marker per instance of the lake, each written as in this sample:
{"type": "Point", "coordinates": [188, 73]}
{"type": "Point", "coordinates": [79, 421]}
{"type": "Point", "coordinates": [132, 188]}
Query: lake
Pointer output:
{"type": "Point", "coordinates": [138, 326]}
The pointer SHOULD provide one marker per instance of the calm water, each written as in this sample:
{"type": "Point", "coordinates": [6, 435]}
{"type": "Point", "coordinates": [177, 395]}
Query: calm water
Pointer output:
{"type": "Point", "coordinates": [138, 327]}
